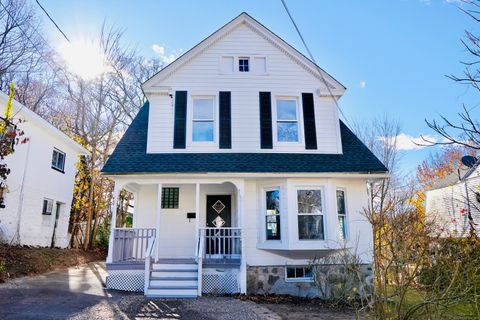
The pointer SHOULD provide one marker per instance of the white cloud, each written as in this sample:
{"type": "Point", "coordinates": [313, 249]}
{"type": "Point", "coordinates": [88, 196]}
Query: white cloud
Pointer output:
{"type": "Point", "coordinates": [407, 142]}
{"type": "Point", "coordinates": [363, 84]}
{"type": "Point", "coordinates": [160, 51]}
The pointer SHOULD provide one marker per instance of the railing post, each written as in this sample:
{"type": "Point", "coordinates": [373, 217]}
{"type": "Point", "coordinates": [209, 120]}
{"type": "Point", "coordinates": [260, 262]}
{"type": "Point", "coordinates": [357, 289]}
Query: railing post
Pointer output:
{"type": "Point", "coordinates": [113, 222]}
{"type": "Point", "coordinates": [201, 248]}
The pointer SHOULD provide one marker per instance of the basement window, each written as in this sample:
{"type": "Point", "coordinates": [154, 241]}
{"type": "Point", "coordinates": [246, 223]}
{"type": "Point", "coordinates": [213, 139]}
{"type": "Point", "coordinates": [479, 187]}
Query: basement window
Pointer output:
{"type": "Point", "coordinates": [47, 206]}
{"type": "Point", "coordinates": [170, 198]}
{"type": "Point", "coordinates": [298, 274]}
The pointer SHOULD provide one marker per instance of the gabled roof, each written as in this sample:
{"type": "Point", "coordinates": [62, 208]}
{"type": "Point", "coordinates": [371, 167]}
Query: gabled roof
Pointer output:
{"type": "Point", "coordinates": [130, 157]}
{"type": "Point", "coordinates": [25, 113]}
{"type": "Point", "coordinates": [244, 18]}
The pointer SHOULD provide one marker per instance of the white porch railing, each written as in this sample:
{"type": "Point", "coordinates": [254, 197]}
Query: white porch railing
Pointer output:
{"type": "Point", "coordinates": [220, 244]}
{"type": "Point", "coordinates": [148, 261]}
{"type": "Point", "coordinates": [130, 244]}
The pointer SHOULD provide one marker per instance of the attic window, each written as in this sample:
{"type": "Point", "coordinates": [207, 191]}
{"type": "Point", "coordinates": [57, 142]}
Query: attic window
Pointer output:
{"type": "Point", "coordinates": [243, 64]}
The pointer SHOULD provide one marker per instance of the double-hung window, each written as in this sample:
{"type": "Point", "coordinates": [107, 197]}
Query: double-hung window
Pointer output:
{"type": "Point", "coordinates": [203, 120]}
{"type": "Point", "coordinates": [287, 120]}
{"type": "Point", "coordinates": [310, 214]}
{"type": "Point", "coordinates": [58, 160]}
{"type": "Point", "coordinates": [342, 214]}
{"type": "Point", "coordinates": [272, 214]}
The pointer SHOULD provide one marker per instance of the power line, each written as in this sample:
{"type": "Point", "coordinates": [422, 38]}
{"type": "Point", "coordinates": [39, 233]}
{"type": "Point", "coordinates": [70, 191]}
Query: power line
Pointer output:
{"type": "Point", "coordinates": [313, 60]}
{"type": "Point", "coordinates": [53, 21]}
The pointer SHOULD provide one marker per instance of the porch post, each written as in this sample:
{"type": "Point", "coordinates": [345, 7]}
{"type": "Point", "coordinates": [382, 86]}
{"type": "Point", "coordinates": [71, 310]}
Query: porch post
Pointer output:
{"type": "Point", "coordinates": [113, 222]}
{"type": "Point", "coordinates": [158, 210]}
{"type": "Point", "coordinates": [197, 211]}
{"type": "Point", "coordinates": [243, 262]}
{"type": "Point", "coordinates": [197, 239]}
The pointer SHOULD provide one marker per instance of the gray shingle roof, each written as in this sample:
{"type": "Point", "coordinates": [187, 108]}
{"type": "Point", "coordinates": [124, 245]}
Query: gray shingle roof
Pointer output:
{"type": "Point", "coordinates": [130, 157]}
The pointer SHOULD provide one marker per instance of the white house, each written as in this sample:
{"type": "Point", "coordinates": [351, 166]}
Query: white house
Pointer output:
{"type": "Point", "coordinates": [40, 186]}
{"type": "Point", "coordinates": [241, 172]}
{"type": "Point", "coordinates": [454, 199]}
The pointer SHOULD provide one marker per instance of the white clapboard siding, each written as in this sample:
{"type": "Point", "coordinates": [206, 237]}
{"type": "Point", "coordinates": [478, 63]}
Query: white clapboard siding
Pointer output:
{"type": "Point", "coordinates": [203, 76]}
{"type": "Point", "coordinates": [445, 205]}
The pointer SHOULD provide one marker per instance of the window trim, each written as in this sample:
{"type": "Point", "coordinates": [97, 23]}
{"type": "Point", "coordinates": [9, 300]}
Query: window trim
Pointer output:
{"type": "Point", "coordinates": [347, 232]}
{"type": "Point", "coordinates": [252, 68]}
{"type": "Point", "coordinates": [190, 120]}
{"type": "Point", "coordinates": [49, 201]}
{"type": "Point", "coordinates": [323, 211]}
{"type": "Point", "coordinates": [54, 167]}
{"type": "Point", "coordinates": [299, 120]}
{"type": "Point", "coordinates": [300, 279]}
{"type": "Point", "coordinates": [264, 215]}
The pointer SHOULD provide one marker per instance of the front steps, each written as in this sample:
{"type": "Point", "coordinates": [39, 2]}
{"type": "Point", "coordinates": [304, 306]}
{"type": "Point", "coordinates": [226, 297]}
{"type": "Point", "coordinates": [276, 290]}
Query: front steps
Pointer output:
{"type": "Point", "coordinates": [173, 280]}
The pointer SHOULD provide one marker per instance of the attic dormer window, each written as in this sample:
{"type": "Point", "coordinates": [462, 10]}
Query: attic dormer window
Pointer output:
{"type": "Point", "coordinates": [244, 64]}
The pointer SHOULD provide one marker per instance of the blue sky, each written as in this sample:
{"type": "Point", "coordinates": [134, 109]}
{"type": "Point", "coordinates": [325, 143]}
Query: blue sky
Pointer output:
{"type": "Point", "coordinates": [392, 55]}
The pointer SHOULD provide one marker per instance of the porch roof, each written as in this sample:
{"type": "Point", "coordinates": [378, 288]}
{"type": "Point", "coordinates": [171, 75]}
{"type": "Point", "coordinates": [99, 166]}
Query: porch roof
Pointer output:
{"type": "Point", "coordinates": [130, 157]}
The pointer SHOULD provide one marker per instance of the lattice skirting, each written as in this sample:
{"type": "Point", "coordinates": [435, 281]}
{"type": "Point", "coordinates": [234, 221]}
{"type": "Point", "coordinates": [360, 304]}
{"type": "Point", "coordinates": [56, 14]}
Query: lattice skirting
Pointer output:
{"type": "Point", "coordinates": [220, 281]}
{"type": "Point", "coordinates": [126, 281]}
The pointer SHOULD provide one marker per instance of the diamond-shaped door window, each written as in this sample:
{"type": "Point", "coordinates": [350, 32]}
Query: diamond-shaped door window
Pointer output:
{"type": "Point", "coordinates": [218, 206]}
{"type": "Point", "coordinates": [218, 222]}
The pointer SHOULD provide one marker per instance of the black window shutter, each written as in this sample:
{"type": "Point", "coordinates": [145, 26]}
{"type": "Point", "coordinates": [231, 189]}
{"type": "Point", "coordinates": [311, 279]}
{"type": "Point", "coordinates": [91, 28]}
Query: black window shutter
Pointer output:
{"type": "Point", "coordinates": [309, 121]}
{"type": "Point", "coordinates": [225, 120]}
{"type": "Point", "coordinates": [266, 120]}
{"type": "Point", "coordinates": [180, 122]}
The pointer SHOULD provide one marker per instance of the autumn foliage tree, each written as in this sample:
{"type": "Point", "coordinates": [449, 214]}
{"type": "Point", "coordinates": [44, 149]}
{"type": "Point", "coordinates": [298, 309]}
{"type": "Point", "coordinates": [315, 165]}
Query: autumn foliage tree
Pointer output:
{"type": "Point", "coordinates": [436, 168]}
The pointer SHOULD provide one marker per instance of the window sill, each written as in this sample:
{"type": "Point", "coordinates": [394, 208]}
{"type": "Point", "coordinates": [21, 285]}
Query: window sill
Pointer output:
{"type": "Point", "coordinates": [59, 170]}
{"type": "Point", "coordinates": [300, 280]}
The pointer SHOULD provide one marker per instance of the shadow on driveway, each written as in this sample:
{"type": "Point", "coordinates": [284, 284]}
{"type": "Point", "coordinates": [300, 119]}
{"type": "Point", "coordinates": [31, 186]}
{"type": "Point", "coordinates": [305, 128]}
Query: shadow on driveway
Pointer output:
{"type": "Point", "coordinates": [55, 295]}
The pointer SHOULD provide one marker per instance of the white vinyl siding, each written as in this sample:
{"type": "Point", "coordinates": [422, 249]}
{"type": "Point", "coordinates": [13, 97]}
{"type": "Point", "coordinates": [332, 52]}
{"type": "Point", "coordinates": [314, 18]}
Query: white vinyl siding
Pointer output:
{"type": "Point", "coordinates": [284, 77]}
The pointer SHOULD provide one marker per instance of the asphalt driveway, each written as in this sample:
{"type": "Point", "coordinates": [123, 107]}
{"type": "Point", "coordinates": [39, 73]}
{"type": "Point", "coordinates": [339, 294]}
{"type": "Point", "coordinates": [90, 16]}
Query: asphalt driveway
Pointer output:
{"type": "Point", "coordinates": [79, 293]}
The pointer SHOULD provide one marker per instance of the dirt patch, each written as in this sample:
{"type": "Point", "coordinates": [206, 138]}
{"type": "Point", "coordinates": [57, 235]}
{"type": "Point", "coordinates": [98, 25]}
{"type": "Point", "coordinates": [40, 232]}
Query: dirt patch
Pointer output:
{"type": "Point", "coordinates": [294, 308]}
{"type": "Point", "coordinates": [18, 261]}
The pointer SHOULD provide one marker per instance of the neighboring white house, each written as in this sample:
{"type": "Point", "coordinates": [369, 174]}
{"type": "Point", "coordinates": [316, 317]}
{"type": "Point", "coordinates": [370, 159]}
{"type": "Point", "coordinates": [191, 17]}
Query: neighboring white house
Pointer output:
{"type": "Point", "coordinates": [241, 171]}
{"type": "Point", "coordinates": [452, 200]}
{"type": "Point", "coordinates": [40, 185]}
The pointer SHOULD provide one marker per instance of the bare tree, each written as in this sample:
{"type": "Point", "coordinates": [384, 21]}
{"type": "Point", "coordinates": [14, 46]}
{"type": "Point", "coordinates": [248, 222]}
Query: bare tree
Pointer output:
{"type": "Point", "coordinates": [466, 130]}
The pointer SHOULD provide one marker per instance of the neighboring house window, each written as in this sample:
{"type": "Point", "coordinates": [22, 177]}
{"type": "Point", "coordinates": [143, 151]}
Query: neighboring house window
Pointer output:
{"type": "Point", "coordinates": [203, 120]}
{"type": "Point", "coordinates": [244, 64]}
{"type": "Point", "coordinates": [170, 198]}
{"type": "Point", "coordinates": [342, 215]}
{"type": "Point", "coordinates": [287, 120]}
{"type": "Point", "coordinates": [310, 215]}
{"type": "Point", "coordinates": [47, 206]}
{"type": "Point", "coordinates": [272, 214]}
{"type": "Point", "coordinates": [297, 274]}
{"type": "Point", "coordinates": [58, 160]}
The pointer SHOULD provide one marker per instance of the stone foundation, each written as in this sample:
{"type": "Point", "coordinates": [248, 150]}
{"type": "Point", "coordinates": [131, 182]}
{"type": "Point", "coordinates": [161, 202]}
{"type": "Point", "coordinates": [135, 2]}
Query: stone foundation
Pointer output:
{"type": "Point", "coordinates": [271, 280]}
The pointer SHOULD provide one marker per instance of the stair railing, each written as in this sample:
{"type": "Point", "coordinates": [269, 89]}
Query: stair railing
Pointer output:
{"type": "Point", "coordinates": [200, 248]}
{"type": "Point", "coordinates": [148, 261]}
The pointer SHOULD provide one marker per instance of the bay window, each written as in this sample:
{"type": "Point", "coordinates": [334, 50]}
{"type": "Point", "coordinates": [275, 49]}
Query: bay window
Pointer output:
{"type": "Point", "coordinates": [203, 120]}
{"type": "Point", "coordinates": [272, 214]}
{"type": "Point", "coordinates": [287, 120]}
{"type": "Point", "coordinates": [310, 214]}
